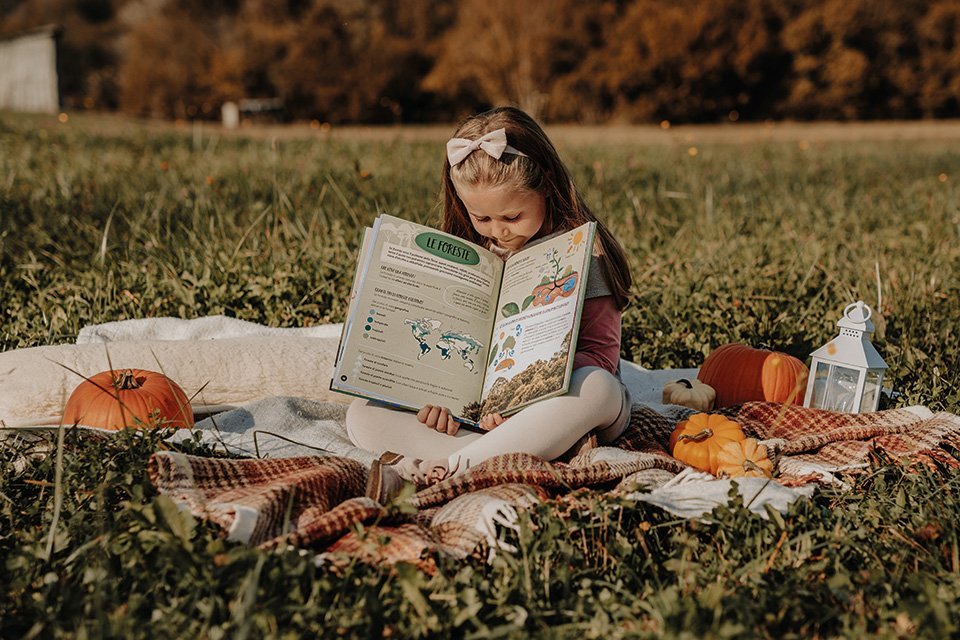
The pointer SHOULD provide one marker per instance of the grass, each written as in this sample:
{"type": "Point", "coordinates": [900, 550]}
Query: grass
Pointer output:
{"type": "Point", "coordinates": [763, 243]}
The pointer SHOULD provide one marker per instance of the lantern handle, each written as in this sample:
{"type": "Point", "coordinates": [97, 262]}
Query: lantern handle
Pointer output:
{"type": "Point", "coordinates": [859, 304]}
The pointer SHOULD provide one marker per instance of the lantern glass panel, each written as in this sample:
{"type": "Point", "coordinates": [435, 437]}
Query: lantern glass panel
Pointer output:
{"type": "Point", "coordinates": [842, 389]}
{"type": "Point", "coordinates": [871, 387]}
{"type": "Point", "coordinates": [819, 397]}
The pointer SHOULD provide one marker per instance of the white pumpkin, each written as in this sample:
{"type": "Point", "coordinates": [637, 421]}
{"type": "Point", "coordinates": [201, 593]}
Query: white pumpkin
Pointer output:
{"type": "Point", "coordinates": [689, 393]}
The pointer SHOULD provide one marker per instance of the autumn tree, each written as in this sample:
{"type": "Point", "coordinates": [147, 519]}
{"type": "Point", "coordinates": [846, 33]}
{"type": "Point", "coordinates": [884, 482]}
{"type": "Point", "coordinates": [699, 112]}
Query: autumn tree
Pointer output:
{"type": "Point", "coordinates": [170, 60]}
{"type": "Point", "coordinates": [321, 70]}
{"type": "Point", "coordinates": [938, 41]}
{"type": "Point", "coordinates": [349, 60]}
{"type": "Point", "coordinates": [852, 59]}
{"type": "Point", "coordinates": [502, 51]}
{"type": "Point", "coordinates": [685, 60]}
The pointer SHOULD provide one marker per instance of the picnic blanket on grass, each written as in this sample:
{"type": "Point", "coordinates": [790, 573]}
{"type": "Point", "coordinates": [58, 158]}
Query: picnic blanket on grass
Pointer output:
{"type": "Point", "coordinates": [318, 502]}
{"type": "Point", "coordinates": [305, 486]}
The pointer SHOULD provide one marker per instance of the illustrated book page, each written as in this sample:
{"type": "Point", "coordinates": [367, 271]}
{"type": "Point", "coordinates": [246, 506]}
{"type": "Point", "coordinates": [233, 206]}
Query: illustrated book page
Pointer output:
{"type": "Point", "coordinates": [419, 323]}
{"type": "Point", "coordinates": [535, 335]}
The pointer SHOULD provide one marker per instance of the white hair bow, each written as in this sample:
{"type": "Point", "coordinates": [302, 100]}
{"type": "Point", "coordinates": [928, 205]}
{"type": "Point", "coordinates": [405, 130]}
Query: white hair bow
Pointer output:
{"type": "Point", "coordinates": [493, 143]}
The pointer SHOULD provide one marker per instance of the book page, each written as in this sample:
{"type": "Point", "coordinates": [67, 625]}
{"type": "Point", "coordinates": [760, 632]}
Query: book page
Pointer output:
{"type": "Point", "coordinates": [419, 331]}
{"type": "Point", "coordinates": [534, 338]}
{"type": "Point", "coordinates": [358, 274]}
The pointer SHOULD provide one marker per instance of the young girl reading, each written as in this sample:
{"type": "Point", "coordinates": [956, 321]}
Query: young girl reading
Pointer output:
{"type": "Point", "coordinates": [504, 185]}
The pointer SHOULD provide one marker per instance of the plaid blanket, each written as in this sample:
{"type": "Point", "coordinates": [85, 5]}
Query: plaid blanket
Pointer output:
{"type": "Point", "coordinates": [317, 501]}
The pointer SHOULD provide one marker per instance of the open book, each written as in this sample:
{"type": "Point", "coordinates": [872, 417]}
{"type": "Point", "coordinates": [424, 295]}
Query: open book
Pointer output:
{"type": "Point", "coordinates": [435, 319]}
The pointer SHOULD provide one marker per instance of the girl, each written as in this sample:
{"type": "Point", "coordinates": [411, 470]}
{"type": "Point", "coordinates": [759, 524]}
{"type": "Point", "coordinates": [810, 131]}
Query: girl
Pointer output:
{"type": "Point", "coordinates": [503, 186]}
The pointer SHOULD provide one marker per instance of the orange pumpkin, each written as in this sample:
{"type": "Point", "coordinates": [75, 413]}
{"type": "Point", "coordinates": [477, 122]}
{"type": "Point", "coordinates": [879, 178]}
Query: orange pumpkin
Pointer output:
{"type": "Point", "coordinates": [698, 439]}
{"type": "Point", "coordinates": [744, 459]}
{"type": "Point", "coordinates": [128, 398]}
{"type": "Point", "coordinates": [739, 373]}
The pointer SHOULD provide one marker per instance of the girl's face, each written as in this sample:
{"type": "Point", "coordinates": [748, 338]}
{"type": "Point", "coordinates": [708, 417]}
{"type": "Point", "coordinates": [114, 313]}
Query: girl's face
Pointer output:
{"type": "Point", "coordinates": [507, 215]}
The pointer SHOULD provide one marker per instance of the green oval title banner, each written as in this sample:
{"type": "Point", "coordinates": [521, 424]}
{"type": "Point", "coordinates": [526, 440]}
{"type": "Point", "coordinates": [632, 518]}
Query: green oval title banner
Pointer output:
{"type": "Point", "coordinates": [447, 248]}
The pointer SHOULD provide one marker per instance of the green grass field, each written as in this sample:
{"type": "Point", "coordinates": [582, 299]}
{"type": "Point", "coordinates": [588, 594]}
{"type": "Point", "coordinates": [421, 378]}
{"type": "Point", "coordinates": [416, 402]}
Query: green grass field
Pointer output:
{"type": "Point", "coordinates": [762, 242]}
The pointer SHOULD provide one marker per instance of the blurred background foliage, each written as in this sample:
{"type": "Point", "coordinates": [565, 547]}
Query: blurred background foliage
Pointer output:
{"type": "Point", "coordinates": [378, 61]}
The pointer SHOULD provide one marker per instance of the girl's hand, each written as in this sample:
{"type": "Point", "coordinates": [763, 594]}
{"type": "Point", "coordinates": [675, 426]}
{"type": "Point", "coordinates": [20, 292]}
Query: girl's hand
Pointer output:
{"type": "Point", "coordinates": [491, 421]}
{"type": "Point", "coordinates": [438, 418]}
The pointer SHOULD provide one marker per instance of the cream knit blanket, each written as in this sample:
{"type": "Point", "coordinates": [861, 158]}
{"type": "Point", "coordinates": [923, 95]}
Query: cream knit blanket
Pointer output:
{"type": "Point", "coordinates": [220, 362]}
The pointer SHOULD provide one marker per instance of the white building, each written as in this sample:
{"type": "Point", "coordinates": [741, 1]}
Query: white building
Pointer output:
{"type": "Point", "coordinates": [28, 71]}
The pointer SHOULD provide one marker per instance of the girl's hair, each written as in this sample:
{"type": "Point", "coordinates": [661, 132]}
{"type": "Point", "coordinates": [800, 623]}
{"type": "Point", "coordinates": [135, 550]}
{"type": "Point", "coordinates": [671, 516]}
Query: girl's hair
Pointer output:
{"type": "Point", "coordinates": [540, 170]}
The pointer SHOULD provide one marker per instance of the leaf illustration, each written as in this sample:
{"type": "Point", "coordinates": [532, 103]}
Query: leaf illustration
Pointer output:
{"type": "Point", "coordinates": [510, 309]}
{"type": "Point", "coordinates": [527, 301]}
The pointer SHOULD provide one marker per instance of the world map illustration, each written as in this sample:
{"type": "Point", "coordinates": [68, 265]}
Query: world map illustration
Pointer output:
{"type": "Point", "coordinates": [426, 331]}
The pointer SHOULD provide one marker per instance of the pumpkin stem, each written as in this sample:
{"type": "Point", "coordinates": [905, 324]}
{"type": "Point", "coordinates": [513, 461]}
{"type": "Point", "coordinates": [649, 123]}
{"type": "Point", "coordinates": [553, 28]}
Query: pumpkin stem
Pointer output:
{"type": "Point", "coordinates": [750, 465]}
{"type": "Point", "coordinates": [697, 437]}
{"type": "Point", "coordinates": [685, 383]}
{"type": "Point", "coordinates": [126, 380]}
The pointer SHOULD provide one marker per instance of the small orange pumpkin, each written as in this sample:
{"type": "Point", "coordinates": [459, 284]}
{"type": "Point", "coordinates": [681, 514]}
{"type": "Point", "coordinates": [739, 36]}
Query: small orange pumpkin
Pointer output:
{"type": "Point", "coordinates": [128, 398]}
{"type": "Point", "coordinates": [698, 439]}
{"type": "Point", "coordinates": [739, 373]}
{"type": "Point", "coordinates": [744, 459]}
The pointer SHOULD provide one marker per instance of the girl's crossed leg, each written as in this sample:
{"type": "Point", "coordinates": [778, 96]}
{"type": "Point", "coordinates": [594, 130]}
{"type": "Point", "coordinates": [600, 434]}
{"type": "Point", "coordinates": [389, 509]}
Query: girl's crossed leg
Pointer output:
{"type": "Point", "coordinates": [597, 400]}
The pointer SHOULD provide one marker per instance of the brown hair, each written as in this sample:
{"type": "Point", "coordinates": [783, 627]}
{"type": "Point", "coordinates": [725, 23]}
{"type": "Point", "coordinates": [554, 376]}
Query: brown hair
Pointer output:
{"type": "Point", "coordinates": [540, 170]}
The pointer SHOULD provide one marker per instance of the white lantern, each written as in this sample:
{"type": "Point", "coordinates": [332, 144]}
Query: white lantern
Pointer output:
{"type": "Point", "coordinates": [846, 373]}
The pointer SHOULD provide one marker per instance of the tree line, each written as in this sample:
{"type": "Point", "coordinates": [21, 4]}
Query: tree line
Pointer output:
{"type": "Point", "coordinates": [378, 61]}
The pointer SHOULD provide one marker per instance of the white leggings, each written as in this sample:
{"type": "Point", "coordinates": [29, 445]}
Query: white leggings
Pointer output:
{"type": "Point", "coordinates": [597, 400]}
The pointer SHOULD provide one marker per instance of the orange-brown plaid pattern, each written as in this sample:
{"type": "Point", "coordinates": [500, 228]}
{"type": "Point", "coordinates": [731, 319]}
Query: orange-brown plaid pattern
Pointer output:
{"type": "Point", "coordinates": [318, 501]}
